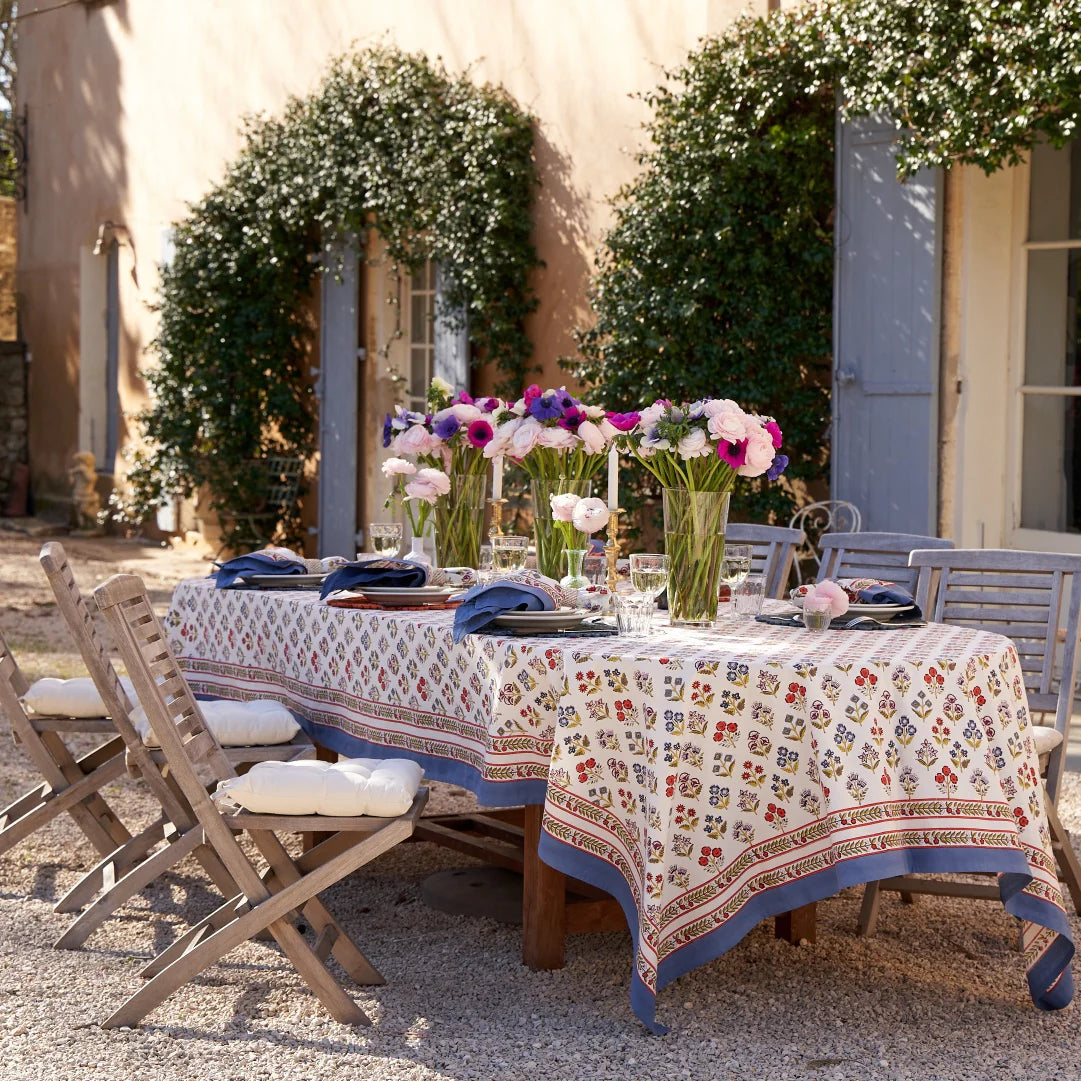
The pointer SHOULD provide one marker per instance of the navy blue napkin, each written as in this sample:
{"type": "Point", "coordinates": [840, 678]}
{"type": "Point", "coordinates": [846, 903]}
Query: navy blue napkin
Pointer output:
{"type": "Point", "coordinates": [255, 563]}
{"type": "Point", "coordinates": [483, 603]}
{"type": "Point", "coordinates": [890, 593]}
{"type": "Point", "coordinates": [375, 574]}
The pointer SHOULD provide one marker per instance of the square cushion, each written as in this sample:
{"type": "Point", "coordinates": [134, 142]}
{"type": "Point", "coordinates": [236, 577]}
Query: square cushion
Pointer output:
{"type": "Point", "coordinates": [258, 723]}
{"type": "Point", "coordinates": [50, 697]}
{"type": "Point", "coordinates": [353, 786]}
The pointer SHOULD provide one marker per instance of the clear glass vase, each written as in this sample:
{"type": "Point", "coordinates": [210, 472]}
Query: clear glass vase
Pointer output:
{"type": "Point", "coordinates": [418, 552]}
{"type": "Point", "coordinates": [574, 578]}
{"type": "Point", "coordinates": [550, 541]}
{"type": "Point", "coordinates": [694, 525]}
{"type": "Point", "coordinates": [459, 521]}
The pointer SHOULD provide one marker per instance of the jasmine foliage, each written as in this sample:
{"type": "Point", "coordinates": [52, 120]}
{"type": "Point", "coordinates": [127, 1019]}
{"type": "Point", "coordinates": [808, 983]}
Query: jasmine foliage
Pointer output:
{"type": "Point", "coordinates": [441, 167]}
{"type": "Point", "coordinates": [717, 277]}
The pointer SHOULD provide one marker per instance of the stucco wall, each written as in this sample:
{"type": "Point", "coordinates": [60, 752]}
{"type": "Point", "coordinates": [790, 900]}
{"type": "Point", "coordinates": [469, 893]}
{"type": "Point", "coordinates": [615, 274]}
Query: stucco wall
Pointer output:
{"type": "Point", "coordinates": [135, 106]}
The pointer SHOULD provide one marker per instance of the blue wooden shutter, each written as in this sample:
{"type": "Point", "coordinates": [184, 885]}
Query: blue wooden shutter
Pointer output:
{"type": "Point", "coordinates": [885, 334]}
{"type": "Point", "coordinates": [451, 344]}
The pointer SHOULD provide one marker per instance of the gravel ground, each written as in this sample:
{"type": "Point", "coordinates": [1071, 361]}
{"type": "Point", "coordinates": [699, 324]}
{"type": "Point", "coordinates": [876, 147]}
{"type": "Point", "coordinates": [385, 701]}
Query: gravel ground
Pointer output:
{"type": "Point", "coordinates": [938, 993]}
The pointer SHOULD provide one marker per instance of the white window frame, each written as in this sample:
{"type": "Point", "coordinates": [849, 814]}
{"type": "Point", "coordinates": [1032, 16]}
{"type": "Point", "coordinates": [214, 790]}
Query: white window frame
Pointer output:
{"type": "Point", "coordinates": [1020, 536]}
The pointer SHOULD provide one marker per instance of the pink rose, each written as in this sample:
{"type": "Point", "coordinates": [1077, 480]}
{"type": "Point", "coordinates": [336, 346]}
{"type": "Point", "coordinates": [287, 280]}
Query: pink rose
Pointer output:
{"type": "Point", "coordinates": [591, 437]}
{"type": "Point", "coordinates": [557, 438]}
{"type": "Point", "coordinates": [760, 455]}
{"type": "Point", "coordinates": [465, 413]}
{"type": "Point", "coordinates": [590, 515]}
{"type": "Point", "coordinates": [694, 444]}
{"type": "Point", "coordinates": [729, 426]}
{"type": "Point", "coordinates": [563, 506]}
{"type": "Point", "coordinates": [392, 467]}
{"type": "Point", "coordinates": [837, 597]}
{"type": "Point", "coordinates": [428, 484]}
{"type": "Point", "coordinates": [720, 405]}
{"type": "Point", "coordinates": [415, 440]}
{"type": "Point", "coordinates": [500, 443]}
{"type": "Point", "coordinates": [525, 437]}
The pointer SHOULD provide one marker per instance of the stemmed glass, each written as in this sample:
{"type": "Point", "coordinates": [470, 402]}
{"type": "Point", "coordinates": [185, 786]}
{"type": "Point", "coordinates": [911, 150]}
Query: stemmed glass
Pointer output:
{"type": "Point", "coordinates": [736, 564]}
{"type": "Point", "coordinates": [386, 538]}
{"type": "Point", "coordinates": [649, 575]}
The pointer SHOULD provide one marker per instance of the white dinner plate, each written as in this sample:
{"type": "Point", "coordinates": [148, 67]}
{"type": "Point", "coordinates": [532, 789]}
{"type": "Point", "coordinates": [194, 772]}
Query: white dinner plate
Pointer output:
{"type": "Point", "coordinates": [284, 581]}
{"type": "Point", "coordinates": [405, 596]}
{"type": "Point", "coordinates": [881, 612]}
{"type": "Point", "coordinates": [561, 619]}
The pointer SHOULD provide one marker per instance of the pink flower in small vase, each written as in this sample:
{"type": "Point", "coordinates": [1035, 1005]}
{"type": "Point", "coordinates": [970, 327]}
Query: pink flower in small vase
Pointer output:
{"type": "Point", "coordinates": [837, 597]}
{"type": "Point", "coordinates": [394, 467]}
{"type": "Point", "coordinates": [590, 515]}
{"type": "Point", "coordinates": [563, 506]}
{"type": "Point", "coordinates": [428, 484]}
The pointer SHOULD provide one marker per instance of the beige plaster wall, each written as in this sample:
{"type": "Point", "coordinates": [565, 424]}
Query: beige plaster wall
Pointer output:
{"type": "Point", "coordinates": [135, 107]}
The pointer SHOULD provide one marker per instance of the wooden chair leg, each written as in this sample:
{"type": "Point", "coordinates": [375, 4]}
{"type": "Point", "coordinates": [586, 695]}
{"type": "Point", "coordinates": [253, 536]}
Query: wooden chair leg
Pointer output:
{"type": "Point", "coordinates": [872, 896]}
{"type": "Point", "coordinates": [1065, 856]}
{"type": "Point", "coordinates": [126, 887]}
{"type": "Point", "coordinates": [104, 874]}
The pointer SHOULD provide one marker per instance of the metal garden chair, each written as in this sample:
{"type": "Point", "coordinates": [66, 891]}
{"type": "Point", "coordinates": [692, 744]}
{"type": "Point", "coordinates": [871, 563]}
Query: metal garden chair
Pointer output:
{"type": "Point", "coordinates": [816, 519]}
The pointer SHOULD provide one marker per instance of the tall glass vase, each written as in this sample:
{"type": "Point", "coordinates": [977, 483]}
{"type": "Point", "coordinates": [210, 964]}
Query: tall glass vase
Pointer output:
{"type": "Point", "coordinates": [459, 521]}
{"type": "Point", "coordinates": [694, 525]}
{"type": "Point", "coordinates": [550, 542]}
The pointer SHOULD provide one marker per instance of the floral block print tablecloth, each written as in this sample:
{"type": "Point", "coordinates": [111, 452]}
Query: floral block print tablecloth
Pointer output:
{"type": "Point", "coordinates": [711, 779]}
{"type": "Point", "coordinates": [481, 713]}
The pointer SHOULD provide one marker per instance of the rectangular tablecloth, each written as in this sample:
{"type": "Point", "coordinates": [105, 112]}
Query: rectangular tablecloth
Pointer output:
{"type": "Point", "coordinates": [705, 779]}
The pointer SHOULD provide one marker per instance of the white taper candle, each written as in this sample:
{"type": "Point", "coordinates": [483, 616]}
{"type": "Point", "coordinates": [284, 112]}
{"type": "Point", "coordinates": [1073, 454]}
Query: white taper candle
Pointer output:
{"type": "Point", "coordinates": [613, 478]}
{"type": "Point", "coordinates": [497, 477]}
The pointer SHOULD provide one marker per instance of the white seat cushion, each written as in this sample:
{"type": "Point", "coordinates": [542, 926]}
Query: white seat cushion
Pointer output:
{"type": "Point", "coordinates": [259, 723]}
{"type": "Point", "coordinates": [51, 697]}
{"type": "Point", "coordinates": [1045, 738]}
{"type": "Point", "coordinates": [353, 786]}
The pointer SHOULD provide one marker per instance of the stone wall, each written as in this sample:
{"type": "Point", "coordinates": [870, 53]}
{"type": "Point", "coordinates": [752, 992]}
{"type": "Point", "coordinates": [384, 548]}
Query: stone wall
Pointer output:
{"type": "Point", "coordinates": [13, 445]}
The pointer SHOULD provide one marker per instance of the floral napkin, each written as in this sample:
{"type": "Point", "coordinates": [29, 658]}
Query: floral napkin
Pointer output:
{"type": "Point", "coordinates": [527, 591]}
{"type": "Point", "coordinates": [267, 561]}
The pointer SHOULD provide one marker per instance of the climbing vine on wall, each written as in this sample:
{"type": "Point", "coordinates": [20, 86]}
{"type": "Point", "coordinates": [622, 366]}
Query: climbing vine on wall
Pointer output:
{"type": "Point", "coordinates": [717, 276]}
{"type": "Point", "coordinates": [441, 167]}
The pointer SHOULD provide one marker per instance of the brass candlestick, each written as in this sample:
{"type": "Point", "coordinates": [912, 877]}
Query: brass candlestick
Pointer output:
{"type": "Point", "coordinates": [496, 528]}
{"type": "Point", "coordinates": [611, 548]}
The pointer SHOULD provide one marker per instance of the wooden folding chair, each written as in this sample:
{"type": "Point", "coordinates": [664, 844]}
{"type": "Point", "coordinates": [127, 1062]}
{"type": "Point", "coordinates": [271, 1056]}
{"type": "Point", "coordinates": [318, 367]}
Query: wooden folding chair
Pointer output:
{"type": "Point", "coordinates": [773, 550]}
{"type": "Point", "coordinates": [68, 783]}
{"type": "Point", "coordinates": [287, 888]}
{"type": "Point", "coordinates": [874, 555]}
{"type": "Point", "coordinates": [1019, 595]}
{"type": "Point", "coordinates": [175, 833]}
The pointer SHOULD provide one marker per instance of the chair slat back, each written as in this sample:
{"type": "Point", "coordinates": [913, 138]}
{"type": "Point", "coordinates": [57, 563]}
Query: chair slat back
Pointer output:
{"type": "Point", "coordinates": [76, 613]}
{"type": "Point", "coordinates": [1021, 595]}
{"type": "Point", "coordinates": [773, 549]}
{"type": "Point", "coordinates": [875, 555]}
{"type": "Point", "coordinates": [173, 713]}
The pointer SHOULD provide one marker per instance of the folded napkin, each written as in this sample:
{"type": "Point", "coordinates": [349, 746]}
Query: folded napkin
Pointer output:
{"type": "Point", "coordinates": [524, 592]}
{"type": "Point", "coordinates": [871, 591]}
{"type": "Point", "coordinates": [376, 573]}
{"type": "Point", "coordinates": [268, 561]}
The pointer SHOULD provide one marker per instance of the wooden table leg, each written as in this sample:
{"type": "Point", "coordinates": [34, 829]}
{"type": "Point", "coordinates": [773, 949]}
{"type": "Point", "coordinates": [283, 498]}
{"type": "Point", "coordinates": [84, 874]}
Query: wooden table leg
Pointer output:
{"type": "Point", "coordinates": [797, 925]}
{"type": "Point", "coordinates": [544, 905]}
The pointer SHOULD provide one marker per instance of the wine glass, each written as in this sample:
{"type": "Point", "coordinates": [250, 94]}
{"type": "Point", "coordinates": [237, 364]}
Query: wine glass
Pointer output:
{"type": "Point", "coordinates": [509, 554]}
{"type": "Point", "coordinates": [386, 538]}
{"type": "Point", "coordinates": [649, 572]}
{"type": "Point", "coordinates": [736, 564]}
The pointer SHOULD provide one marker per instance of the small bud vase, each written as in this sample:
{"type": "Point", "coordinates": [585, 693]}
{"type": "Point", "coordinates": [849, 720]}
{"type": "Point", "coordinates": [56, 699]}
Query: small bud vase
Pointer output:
{"type": "Point", "coordinates": [574, 578]}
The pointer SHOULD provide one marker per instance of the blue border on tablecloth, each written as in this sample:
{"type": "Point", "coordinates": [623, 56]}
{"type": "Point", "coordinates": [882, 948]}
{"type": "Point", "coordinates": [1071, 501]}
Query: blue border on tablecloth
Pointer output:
{"type": "Point", "coordinates": [1050, 979]}
{"type": "Point", "coordinates": [436, 768]}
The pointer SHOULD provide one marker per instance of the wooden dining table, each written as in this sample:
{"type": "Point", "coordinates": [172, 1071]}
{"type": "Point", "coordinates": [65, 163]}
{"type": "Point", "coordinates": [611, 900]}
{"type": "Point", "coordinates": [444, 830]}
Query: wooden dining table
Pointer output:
{"type": "Point", "coordinates": [704, 779]}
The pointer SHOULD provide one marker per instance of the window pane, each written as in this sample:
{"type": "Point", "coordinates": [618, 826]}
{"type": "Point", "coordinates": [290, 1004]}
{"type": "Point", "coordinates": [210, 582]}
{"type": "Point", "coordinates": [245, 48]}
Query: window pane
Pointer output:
{"type": "Point", "coordinates": [1051, 464]}
{"type": "Point", "coordinates": [1055, 193]}
{"type": "Point", "coordinates": [1051, 331]}
{"type": "Point", "coordinates": [418, 319]}
{"type": "Point", "coordinates": [419, 376]}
